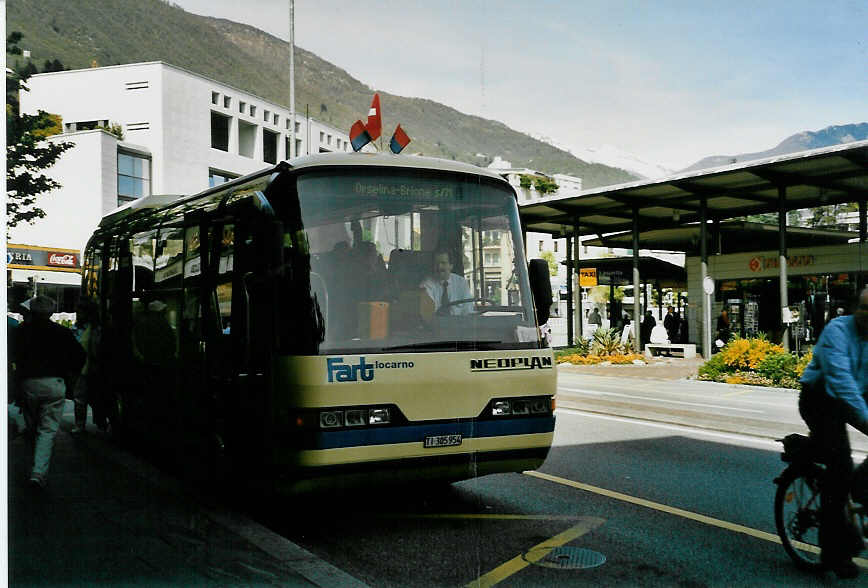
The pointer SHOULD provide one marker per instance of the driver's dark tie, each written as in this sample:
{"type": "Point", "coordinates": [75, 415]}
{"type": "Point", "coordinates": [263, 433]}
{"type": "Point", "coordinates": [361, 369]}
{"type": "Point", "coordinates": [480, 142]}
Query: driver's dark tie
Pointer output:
{"type": "Point", "coordinates": [444, 299]}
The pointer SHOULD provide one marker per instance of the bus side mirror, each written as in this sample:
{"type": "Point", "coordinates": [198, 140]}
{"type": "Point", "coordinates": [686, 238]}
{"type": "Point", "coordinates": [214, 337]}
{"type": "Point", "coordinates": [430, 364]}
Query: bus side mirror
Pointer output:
{"type": "Point", "coordinates": [541, 288]}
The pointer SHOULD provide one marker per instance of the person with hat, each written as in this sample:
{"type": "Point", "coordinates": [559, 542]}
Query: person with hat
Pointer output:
{"type": "Point", "coordinates": [46, 357]}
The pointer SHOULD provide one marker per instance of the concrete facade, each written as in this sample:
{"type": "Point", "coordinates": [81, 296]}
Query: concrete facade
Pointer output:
{"type": "Point", "coordinates": [167, 116]}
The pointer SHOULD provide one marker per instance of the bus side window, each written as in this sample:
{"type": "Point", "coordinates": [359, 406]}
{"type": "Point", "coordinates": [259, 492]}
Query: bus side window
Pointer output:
{"type": "Point", "coordinates": [223, 288]}
{"type": "Point", "coordinates": [142, 248]}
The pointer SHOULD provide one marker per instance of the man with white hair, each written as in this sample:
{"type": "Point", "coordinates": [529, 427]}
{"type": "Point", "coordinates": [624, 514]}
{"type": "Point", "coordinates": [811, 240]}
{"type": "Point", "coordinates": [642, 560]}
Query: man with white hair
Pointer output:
{"type": "Point", "coordinates": [45, 356]}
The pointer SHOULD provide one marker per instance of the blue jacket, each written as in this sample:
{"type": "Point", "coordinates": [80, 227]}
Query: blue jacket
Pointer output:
{"type": "Point", "coordinates": [841, 359]}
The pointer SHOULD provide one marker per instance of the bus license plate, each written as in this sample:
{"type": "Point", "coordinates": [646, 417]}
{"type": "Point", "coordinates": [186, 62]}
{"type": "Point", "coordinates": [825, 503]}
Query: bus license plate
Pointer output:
{"type": "Point", "coordinates": [442, 441]}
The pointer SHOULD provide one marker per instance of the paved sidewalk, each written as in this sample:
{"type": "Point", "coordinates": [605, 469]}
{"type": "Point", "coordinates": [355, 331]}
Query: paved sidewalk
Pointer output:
{"type": "Point", "coordinates": [107, 517]}
{"type": "Point", "coordinates": [670, 368]}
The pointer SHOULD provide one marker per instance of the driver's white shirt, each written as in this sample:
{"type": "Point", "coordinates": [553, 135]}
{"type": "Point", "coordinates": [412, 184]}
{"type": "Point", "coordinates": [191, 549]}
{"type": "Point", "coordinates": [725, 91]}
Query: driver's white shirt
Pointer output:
{"type": "Point", "coordinates": [457, 288]}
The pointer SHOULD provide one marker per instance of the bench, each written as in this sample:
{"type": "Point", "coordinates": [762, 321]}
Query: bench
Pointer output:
{"type": "Point", "coordinates": [687, 350]}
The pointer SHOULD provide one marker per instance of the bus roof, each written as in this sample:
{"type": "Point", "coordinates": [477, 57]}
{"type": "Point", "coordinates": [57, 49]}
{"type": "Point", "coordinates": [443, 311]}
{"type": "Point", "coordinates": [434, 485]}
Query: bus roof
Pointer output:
{"type": "Point", "coordinates": [142, 205]}
{"type": "Point", "coordinates": [389, 160]}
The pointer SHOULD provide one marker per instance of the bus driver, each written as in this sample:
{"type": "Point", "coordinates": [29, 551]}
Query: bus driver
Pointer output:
{"type": "Point", "coordinates": [444, 287]}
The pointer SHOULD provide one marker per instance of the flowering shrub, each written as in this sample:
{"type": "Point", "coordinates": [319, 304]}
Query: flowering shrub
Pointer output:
{"type": "Point", "coordinates": [757, 362]}
{"type": "Point", "coordinates": [748, 353]}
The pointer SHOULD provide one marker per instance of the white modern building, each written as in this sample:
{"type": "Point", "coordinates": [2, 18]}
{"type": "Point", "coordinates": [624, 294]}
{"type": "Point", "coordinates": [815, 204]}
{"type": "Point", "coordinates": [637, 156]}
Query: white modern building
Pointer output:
{"type": "Point", "coordinates": [181, 133]}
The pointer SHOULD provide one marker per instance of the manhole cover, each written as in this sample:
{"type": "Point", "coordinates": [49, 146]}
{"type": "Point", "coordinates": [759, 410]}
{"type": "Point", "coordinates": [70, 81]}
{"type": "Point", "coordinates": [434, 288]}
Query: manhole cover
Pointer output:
{"type": "Point", "coordinates": [565, 558]}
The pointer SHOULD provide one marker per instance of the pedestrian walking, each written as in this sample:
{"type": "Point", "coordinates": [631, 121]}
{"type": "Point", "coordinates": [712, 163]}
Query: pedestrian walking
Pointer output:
{"type": "Point", "coordinates": [87, 333]}
{"type": "Point", "coordinates": [47, 360]}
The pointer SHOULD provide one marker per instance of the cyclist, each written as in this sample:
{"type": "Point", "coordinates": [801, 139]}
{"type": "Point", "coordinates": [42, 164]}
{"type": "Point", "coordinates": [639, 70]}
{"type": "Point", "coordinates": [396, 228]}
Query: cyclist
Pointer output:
{"type": "Point", "coordinates": [834, 386]}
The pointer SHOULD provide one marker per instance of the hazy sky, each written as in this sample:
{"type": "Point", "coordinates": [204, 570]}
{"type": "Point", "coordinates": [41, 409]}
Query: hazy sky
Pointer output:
{"type": "Point", "coordinates": [671, 81]}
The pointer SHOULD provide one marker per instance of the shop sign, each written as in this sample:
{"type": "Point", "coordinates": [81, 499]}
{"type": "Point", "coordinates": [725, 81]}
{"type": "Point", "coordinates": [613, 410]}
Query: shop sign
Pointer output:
{"type": "Point", "coordinates": [587, 277]}
{"type": "Point", "coordinates": [57, 259]}
{"type": "Point", "coordinates": [18, 257]}
{"type": "Point", "coordinates": [759, 263]}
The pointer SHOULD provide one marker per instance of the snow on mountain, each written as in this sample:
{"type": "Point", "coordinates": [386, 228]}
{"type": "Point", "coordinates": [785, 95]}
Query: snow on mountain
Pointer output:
{"type": "Point", "coordinates": [613, 157]}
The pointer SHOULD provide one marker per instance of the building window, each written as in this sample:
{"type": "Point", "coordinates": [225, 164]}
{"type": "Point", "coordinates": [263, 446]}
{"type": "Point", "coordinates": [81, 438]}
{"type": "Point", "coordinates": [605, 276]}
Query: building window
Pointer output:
{"type": "Point", "coordinates": [266, 115]}
{"type": "Point", "coordinates": [297, 127]}
{"type": "Point", "coordinates": [321, 136]}
{"type": "Point", "coordinates": [241, 106]}
{"type": "Point", "coordinates": [134, 176]}
{"type": "Point", "coordinates": [227, 102]}
{"type": "Point", "coordinates": [555, 245]}
{"type": "Point", "coordinates": [246, 138]}
{"type": "Point", "coordinates": [329, 140]}
{"type": "Point", "coordinates": [252, 110]}
{"type": "Point", "coordinates": [215, 97]}
{"type": "Point", "coordinates": [269, 146]}
{"type": "Point", "coordinates": [276, 120]}
{"type": "Point", "coordinates": [287, 124]}
{"type": "Point", "coordinates": [220, 131]}
{"type": "Point", "coordinates": [540, 246]}
{"type": "Point", "coordinates": [216, 177]}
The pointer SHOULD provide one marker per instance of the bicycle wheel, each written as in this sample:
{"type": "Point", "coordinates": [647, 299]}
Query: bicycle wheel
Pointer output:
{"type": "Point", "coordinates": [797, 516]}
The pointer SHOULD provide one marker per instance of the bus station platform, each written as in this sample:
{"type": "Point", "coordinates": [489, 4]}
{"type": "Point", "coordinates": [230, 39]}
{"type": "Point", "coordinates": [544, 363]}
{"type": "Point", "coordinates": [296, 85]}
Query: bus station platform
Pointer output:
{"type": "Point", "coordinates": [109, 517]}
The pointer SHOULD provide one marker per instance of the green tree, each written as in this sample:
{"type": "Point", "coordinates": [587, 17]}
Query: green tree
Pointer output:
{"type": "Point", "coordinates": [600, 294]}
{"type": "Point", "coordinates": [550, 259]}
{"type": "Point", "coordinates": [28, 154]}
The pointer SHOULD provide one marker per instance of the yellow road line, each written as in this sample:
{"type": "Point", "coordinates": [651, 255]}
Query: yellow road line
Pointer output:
{"type": "Point", "coordinates": [676, 511]}
{"type": "Point", "coordinates": [535, 553]}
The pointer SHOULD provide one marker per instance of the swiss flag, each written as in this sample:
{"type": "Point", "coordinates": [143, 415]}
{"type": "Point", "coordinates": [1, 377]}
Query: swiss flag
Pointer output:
{"type": "Point", "coordinates": [399, 140]}
{"type": "Point", "coordinates": [359, 137]}
{"type": "Point", "coordinates": [375, 123]}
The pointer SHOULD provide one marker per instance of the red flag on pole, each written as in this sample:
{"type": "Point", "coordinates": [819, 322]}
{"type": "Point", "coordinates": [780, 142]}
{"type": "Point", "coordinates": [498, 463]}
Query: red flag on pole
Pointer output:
{"type": "Point", "coordinates": [375, 124]}
{"type": "Point", "coordinates": [359, 136]}
{"type": "Point", "coordinates": [399, 140]}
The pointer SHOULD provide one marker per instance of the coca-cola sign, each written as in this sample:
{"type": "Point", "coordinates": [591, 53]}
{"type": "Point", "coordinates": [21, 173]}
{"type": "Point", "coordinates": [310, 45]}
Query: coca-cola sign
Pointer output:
{"type": "Point", "coordinates": [33, 257]}
{"type": "Point", "coordinates": [61, 259]}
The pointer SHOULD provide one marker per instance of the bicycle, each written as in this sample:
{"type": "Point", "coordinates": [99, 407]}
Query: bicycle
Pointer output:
{"type": "Point", "coordinates": [797, 503]}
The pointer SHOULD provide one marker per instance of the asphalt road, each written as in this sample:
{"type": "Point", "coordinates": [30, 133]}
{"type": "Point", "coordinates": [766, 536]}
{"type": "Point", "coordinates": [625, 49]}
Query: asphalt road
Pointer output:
{"type": "Point", "coordinates": [665, 505]}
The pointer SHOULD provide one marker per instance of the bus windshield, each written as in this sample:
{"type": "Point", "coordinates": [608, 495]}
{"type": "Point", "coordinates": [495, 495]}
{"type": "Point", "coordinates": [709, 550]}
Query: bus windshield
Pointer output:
{"type": "Point", "coordinates": [404, 260]}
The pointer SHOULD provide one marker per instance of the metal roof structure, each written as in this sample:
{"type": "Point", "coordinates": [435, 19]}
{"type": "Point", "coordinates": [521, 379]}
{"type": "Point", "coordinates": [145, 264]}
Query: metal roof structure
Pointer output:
{"type": "Point", "coordinates": [619, 271]}
{"type": "Point", "coordinates": [734, 236]}
{"type": "Point", "coordinates": [818, 177]}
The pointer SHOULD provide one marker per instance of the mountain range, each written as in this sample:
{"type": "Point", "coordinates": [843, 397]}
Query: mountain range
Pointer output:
{"type": "Point", "coordinates": [91, 33]}
{"type": "Point", "coordinates": [833, 135]}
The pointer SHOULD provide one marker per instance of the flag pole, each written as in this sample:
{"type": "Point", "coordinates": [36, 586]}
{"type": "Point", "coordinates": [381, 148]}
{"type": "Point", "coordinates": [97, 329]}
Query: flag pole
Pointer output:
{"type": "Point", "coordinates": [291, 151]}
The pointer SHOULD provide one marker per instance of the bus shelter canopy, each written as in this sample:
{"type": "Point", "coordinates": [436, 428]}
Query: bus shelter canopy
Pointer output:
{"type": "Point", "coordinates": [619, 271]}
{"type": "Point", "coordinates": [831, 175]}
{"type": "Point", "coordinates": [731, 236]}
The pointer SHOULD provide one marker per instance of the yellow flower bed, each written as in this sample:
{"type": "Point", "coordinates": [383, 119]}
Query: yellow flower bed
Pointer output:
{"type": "Point", "coordinates": [595, 359]}
{"type": "Point", "coordinates": [748, 353]}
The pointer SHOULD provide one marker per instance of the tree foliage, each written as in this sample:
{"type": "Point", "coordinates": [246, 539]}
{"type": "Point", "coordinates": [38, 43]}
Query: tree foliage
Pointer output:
{"type": "Point", "coordinates": [550, 259]}
{"type": "Point", "coordinates": [28, 154]}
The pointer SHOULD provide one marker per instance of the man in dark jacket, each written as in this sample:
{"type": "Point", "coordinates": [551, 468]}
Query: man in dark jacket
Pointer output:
{"type": "Point", "coordinates": [47, 358]}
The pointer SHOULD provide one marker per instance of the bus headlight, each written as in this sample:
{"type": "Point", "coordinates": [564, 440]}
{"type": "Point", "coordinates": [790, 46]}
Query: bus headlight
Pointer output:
{"type": "Point", "coordinates": [500, 408]}
{"type": "Point", "coordinates": [356, 417]}
{"type": "Point", "coordinates": [329, 419]}
{"type": "Point", "coordinates": [379, 416]}
{"type": "Point", "coordinates": [522, 406]}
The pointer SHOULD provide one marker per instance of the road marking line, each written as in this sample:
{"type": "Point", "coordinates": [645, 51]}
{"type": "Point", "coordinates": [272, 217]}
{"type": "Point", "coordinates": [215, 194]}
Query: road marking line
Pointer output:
{"type": "Point", "coordinates": [535, 553]}
{"type": "Point", "coordinates": [858, 454]}
{"type": "Point", "coordinates": [675, 511]}
{"type": "Point", "coordinates": [649, 399]}
{"type": "Point", "coordinates": [503, 517]}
